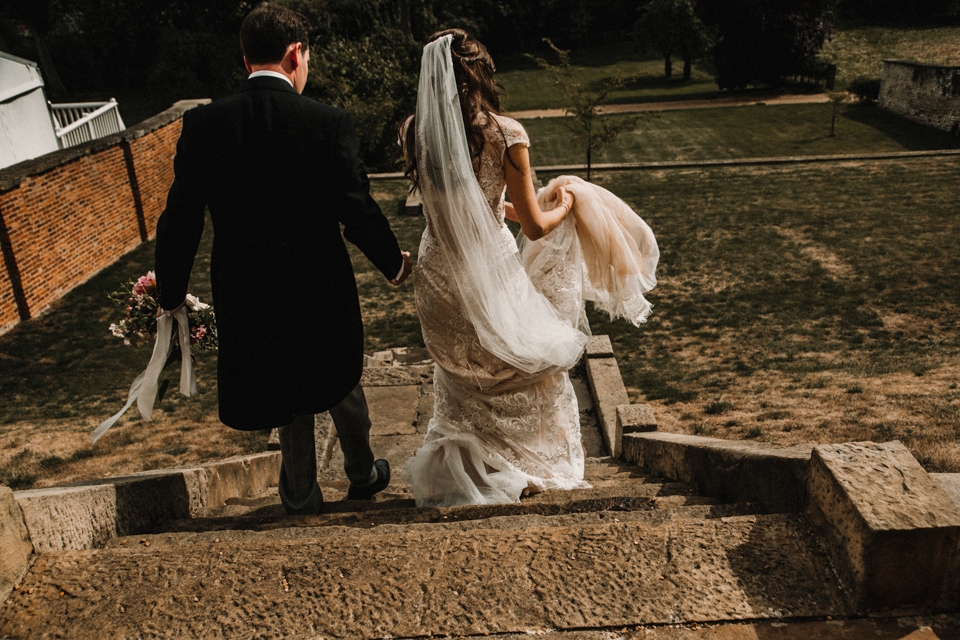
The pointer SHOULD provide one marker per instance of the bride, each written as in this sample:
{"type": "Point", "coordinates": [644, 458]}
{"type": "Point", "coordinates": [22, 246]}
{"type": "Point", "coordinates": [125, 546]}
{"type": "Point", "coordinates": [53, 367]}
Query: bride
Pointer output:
{"type": "Point", "coordinates": [504, 327]}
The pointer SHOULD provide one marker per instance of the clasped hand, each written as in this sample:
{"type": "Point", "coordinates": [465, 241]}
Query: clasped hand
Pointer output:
{"type": "Point", "coordinates": [407, 269]}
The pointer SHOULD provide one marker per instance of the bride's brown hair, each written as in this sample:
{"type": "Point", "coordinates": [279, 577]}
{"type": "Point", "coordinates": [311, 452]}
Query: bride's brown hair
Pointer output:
{"type": "Point", "coordinates": [473, 70]}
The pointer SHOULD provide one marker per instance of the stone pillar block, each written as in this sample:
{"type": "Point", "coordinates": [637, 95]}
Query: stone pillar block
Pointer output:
{"type": "Point", "coordinates": [636, 418]}
{"type": "Point", "coordinates": [240, 477]}
{"type": "Point", "coordinates": [894, 531]}
{"type": "Point", "coordinates": [15, 542]}
{"type": "Point", "coordinates": [85, 516]}
{"type": "Point", "coordinates": [599, 347]}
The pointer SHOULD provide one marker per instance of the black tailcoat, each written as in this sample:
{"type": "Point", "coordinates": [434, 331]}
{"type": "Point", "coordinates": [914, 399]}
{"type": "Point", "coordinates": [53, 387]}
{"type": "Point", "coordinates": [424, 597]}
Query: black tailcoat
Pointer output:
{"type": "Point", "coordinates": [280, 173]}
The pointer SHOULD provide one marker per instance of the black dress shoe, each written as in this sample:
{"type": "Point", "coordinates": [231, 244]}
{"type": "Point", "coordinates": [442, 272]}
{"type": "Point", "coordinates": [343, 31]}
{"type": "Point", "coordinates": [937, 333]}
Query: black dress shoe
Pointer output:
{"type": "Point", "coordinates": [367, 491]}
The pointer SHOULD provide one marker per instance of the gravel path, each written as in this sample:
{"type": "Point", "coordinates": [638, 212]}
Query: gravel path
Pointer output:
{"type": "Point", "coordinates": [732, 101]}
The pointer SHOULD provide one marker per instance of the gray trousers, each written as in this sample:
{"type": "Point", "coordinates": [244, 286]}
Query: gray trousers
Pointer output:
{"type": "Point", "coordinates": [299, 491]}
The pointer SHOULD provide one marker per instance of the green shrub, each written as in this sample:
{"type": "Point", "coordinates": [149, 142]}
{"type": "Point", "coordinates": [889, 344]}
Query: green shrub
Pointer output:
{"type": "Point", "coordinates": [865, 89]}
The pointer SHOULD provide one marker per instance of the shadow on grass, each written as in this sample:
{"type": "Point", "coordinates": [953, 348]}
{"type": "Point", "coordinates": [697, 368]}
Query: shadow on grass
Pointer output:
{"type": "Point", "coordinates": [912, 135]}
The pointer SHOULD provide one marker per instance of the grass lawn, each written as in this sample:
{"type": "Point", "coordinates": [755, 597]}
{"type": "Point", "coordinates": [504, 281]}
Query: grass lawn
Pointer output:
{"type": "Point", "coordinates": [741, 132]}
{"type": "Point", "coordinates": [527, 86]}
{"type": "Point", "coordinates": [856, 52]}
{"type": "Point", "coordinates": [861, 51]}
{"type": "Point", "coordinates": [814, 303]}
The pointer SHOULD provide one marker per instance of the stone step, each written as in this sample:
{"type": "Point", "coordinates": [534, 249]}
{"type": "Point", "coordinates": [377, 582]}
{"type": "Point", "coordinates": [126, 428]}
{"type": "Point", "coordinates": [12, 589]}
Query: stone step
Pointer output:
{"type": "Point", "coordinates": [308, 527]}
{"type": "Point", "coordinates": [420, 582]}
{"type": "Point", "coordinates": [613, 487]}
{"type": "Point", "coordinates": [265, 512]}
{"type": "Point", "coordinates": [601, 473]}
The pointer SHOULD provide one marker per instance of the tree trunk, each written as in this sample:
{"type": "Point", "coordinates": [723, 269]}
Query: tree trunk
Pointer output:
{"type": "Point", "coordinates": [667, 65]}
{"type": "Point", "coordinates": [50, 76]}
{"type": "Point", "coordinates": [589, 149]}
{"type": "Point", "coordinates": [687, 63]}
{"type": "Point", "coordinates": [405, 23]}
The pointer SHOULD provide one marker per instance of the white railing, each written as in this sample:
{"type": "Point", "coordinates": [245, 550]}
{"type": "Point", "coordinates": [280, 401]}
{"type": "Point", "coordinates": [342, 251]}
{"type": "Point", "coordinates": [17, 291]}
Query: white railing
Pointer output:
{"type": "Point", "coordinates": [79, 122]}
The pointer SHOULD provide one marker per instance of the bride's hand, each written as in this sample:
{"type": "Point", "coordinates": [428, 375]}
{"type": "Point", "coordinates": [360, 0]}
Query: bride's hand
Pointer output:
{"type": "Point", "coordinates": [565, 198]}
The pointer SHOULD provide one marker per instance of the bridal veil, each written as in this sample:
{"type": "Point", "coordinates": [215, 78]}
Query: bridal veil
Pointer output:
{"type": "Point", "coordinates": [512, 319]}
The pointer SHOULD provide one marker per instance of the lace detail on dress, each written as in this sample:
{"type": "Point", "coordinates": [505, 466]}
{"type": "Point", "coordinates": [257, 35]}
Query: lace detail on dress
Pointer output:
{"type": "Point", "coordinates": [490, 448]}
{"type": "Point", "coordinates": [499, 135]}
{"type": "Point", "coordinates": [555, 267]}
{"type": "Point", "coordinates": [496, 430]}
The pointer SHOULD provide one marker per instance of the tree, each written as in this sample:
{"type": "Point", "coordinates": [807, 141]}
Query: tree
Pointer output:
{"type": "Point", "coordinates": [766, 41]}
{"type": "Point", "coordinates": [37, 17]}
{"type": "Point", "coordinates": [837, 99]}
{"type": "Point", "coordinates": [373, 80]}
{"type": "Point", "coordinates": [586, 124]}
{"type": "Point", "coordinates": [672, 27]}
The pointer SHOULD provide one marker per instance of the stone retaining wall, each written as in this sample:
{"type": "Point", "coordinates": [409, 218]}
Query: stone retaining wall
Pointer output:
{"type": "Point", "coordinates": [926, 93]}
{"type": "Point", "coordinates": [67, 215]}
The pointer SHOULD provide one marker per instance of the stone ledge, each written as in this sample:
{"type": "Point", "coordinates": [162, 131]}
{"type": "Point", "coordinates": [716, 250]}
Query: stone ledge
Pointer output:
{"type": "Point", "coordinates": [772, 477]}
{"type": "Point", "coordinates": [86, 515]}
{"type": "Point", "coordinates": [15, 541]}
{"type": "Point", "coordinates": [608, 391]}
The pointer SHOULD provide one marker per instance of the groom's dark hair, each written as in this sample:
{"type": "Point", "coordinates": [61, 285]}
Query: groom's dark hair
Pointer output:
{"type": "Point", "coordinates": [268, 30]}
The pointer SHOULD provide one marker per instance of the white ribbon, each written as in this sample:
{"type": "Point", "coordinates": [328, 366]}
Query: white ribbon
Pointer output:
{"type": "Point", "coordinates": [144, 387]}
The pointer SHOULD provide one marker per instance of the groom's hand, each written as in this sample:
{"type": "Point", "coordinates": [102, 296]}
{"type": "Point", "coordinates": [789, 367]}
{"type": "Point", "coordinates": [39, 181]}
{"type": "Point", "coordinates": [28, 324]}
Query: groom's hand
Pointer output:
{"type": "Point", "coordinates": [161, 310]}
{"type": "Point", "coordinates": [406, 270]}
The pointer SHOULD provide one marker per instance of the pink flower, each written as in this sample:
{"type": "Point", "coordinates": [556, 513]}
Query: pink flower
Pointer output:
{"type": "Point", "coordinates": [145, 284]}
{"type": "Point", "coordinates": [197, 333]}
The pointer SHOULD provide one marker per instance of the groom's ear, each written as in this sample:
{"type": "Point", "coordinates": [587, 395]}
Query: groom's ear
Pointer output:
{"type": "Point", "coordinates": [296, 53]}
{"type": "Point", "coordinates": [246, 63]}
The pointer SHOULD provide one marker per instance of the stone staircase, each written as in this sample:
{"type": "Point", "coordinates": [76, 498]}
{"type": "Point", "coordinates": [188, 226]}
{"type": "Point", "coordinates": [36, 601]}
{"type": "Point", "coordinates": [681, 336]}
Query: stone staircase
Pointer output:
{"type": "Point", "coordinates": [636, 555]}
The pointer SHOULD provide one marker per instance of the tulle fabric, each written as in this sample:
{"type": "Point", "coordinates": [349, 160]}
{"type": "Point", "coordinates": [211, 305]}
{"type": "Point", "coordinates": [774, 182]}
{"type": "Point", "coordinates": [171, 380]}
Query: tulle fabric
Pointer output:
{"type": "Point", "coordinates": [616, 249]}
{"type": "Point", "coordinates": [485, 448]}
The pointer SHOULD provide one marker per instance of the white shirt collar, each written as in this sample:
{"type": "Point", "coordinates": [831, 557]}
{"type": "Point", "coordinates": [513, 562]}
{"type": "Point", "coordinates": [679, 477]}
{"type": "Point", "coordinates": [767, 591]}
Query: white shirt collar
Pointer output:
{"type": "Point", "coordinates": [273, 74]}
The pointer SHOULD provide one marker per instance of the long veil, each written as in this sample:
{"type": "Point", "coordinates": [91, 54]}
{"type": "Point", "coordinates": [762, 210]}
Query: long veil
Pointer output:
{"type": "Point", "coordinates": [512, 319]}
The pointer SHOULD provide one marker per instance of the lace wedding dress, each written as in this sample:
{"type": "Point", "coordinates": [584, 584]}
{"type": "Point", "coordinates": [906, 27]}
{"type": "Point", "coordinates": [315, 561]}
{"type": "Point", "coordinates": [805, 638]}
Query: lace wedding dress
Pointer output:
{"type": "Point", "coordinates": [496, 430]}
{"type": "Point", "coordinates": [504, 327]}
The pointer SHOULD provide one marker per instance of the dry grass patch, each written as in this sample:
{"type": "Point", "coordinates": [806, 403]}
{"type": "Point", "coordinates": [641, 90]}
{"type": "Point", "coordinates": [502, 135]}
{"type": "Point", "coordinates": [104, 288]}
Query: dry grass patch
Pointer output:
{"type": "Point", "coordinates": [816, 304]}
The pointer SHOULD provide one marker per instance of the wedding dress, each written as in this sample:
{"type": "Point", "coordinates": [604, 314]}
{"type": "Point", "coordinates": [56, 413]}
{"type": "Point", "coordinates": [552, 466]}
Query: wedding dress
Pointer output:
{"type": "Point", "coordinates": [503, 327]}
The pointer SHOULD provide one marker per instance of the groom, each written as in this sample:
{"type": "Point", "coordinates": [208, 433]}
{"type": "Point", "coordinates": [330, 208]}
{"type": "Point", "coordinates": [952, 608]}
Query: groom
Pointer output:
{"type": "Point", "coordinates": [280, 173]}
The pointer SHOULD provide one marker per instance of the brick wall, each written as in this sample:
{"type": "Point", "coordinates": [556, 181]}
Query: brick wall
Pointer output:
{"type": "Point", "coordinates": [153, 162]}
{"type": "Point", "coordinates": [67, 215]}
{"type": "Point", "coordinates": [8, 303]}
{"type": "Point", "coordinates": [925, 93]}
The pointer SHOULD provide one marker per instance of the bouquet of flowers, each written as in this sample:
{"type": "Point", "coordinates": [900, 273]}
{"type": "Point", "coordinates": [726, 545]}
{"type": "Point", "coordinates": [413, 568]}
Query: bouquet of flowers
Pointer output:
{"type": "Point", "coordinates": [176, 334]}
{"type": "Point", "coordinates": [140, 322]}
